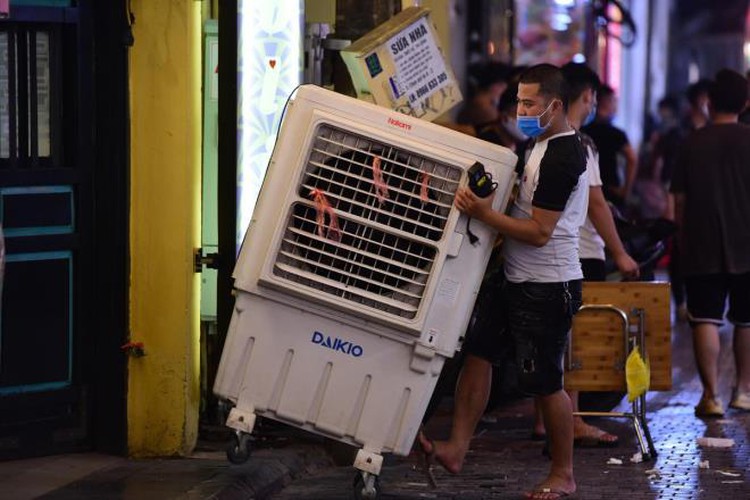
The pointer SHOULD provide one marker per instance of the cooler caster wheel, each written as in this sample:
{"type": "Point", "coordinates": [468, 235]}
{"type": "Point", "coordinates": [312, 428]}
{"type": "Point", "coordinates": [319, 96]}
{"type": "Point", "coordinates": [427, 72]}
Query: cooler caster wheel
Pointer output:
{"type": "Point", "coordinates": [366, 486]}
{"type": "Point", "coordinates": [238, 449]}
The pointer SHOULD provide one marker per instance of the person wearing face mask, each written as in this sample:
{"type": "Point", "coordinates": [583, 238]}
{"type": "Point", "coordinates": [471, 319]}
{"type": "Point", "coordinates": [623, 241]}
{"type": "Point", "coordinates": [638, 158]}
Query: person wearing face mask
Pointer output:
{"type": "Point", "coordinates": [613, 145]}
{"type": "Point", "coordinates": [504, 130]}
{"type": "Point", "coordinates": [543, 273]}
{"type": "Point", "coordinates": [598, 231]}
{"type": "Point", "coordinates": [487, 82]}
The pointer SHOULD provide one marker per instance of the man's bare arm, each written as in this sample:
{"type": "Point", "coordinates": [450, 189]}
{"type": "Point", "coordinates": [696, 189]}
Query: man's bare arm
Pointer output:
{"type": "Point", "coordinates": [601, 218]}
{"type": "Point", "coordinates": [535, 231]}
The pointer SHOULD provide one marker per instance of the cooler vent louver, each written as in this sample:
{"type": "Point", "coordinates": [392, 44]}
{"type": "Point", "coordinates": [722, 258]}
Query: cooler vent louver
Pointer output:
{"type": "Point", "coordinates": [388, 229]}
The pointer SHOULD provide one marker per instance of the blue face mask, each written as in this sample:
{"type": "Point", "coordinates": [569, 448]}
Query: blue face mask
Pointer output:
{"type": "Point", "coordinates": [590, 117]}
{"type": "Point", "coordinates": [531, 125]}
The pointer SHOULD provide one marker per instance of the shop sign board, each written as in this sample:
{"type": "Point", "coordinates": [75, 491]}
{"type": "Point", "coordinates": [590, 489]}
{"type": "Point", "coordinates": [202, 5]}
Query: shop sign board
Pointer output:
{"type": "Point", "coordinates": [400, 65]}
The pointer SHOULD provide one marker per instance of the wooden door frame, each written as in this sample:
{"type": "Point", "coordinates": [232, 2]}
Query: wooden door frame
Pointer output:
{"type": "Point", "coordinates": [104, 143]}
{"type": "Point", "coordinates": [99, 125]}
{"type": "Point", "coordinates": [227, 170]}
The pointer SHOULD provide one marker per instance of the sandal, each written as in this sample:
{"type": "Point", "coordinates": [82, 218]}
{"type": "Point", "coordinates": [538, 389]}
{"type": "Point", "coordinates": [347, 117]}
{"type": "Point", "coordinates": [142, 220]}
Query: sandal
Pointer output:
{"type": "Point", "coordinates": [740, 401]}
{"type": "Point", "coordinates": [547, 494]}
{"type": "Point", "coordinates": [427, 458]}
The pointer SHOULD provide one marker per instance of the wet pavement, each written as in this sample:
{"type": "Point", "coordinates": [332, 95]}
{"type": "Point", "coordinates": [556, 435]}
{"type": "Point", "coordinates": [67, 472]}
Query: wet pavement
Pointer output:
{"type": "Point", "coordinates": [503, 462]}
{"type": "Point", "coordinates": [280, 455]}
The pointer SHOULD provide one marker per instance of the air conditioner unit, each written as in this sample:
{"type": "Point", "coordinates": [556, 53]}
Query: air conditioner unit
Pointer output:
{"type": "Point", "coordinates": [357, 277]}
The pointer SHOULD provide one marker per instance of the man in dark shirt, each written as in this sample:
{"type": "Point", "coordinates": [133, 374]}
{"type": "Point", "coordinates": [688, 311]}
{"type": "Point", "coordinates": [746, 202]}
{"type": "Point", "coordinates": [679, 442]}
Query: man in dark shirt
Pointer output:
{"type": "Point", "coordinates": [695, 118]}
{"type": "Point", "coordinates": [665, 142]}
{"type": "Point", "coordinates": [612, 143]}
{"type": "Point", "coordinates": [697, 113]}
{"type": "Point", "coordinates": [711, 186]}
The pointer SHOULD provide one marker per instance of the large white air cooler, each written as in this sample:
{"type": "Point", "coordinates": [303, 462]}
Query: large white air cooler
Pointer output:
{"type": "Point", "coordinates": [357, 277]}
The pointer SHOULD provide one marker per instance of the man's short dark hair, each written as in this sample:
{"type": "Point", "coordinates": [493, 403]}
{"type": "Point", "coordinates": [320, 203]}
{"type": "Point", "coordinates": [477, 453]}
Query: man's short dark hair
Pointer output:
{"type": "Point", "coordinates": [579, 78]}
{"type": "Point", "coordinates": [669, 102]}
{"type": "Point", "coordinates": [550, 79]}
{"type": "Point", "coordinates": [483, 75]}
{"type": "Point", "coordinates": [728, 94]}
{"type": "Point", "coordinates": [605, 92]}
{"type": "Point", "coordinates": [508, 99]}
{"type": "Point", "coordinates": [695, 90]}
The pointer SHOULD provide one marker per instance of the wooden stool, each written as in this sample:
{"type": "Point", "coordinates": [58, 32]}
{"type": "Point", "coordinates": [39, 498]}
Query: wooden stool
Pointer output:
{"type": "Point", "coordinates": [614, 319]}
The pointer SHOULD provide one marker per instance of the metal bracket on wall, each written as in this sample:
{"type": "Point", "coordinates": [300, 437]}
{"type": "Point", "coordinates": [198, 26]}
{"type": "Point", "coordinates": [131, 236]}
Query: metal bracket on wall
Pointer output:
{"type": "Point", "coordinates": [210, 260]}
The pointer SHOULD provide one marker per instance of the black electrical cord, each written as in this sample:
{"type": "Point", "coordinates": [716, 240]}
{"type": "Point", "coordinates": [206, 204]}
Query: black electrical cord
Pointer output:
{"type": "Point", "coordinates": [473, 238]}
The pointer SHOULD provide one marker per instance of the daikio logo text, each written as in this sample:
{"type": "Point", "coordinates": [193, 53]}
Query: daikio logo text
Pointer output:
{"type": "Point", "coordinates": [337, 344]}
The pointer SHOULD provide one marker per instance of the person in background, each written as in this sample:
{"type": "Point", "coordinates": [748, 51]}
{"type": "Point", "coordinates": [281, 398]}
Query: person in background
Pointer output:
{"type": "Point", "coordinates": [504, 130]}
{"type": "Point", "coordinates": [697, 112]}
{"type": "Point", "coordinates": [612, 144]}
{"type": "Point", "coordinates": [543, 272]}
{"type": "Point", "coordinates": [695, 118]}
{"type": "Point", "coordinates": [665, 141]}
{"type": "Point", "coordinates": [597, 232]}
{"type": "Point", "coordinates": [745, 115]}
{"type": "Point", "coordinates": [711, 188]}
{"type": "Point", "coordinates": [487, 83]}
{"type": "Point", "coordinates": [657, 159]}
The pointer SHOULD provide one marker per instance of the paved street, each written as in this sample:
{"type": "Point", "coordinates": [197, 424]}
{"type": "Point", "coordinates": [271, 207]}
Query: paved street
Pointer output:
{"type": "Point", "coordinates": [504, 462]}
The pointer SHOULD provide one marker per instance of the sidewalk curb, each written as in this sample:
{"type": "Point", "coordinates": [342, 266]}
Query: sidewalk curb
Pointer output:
{"type": "Point", "coordinates": [265, 473]}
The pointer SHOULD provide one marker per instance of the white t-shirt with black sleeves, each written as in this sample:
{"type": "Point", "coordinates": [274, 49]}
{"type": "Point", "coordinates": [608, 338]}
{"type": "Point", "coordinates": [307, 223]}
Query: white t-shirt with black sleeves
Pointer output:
{"type": "Point", "coordinates": [552, 180]}
{"type": "Point", "coordinates": [591, 245]}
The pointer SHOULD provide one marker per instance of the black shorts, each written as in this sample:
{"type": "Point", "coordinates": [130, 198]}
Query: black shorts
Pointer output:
{"type": "Point", "coordinates": [487, 336]}
{"type": "Point", "coordinates": [707, 297]}
{"type": "Point", "coordinates": [539, 319]}
{"type": "Point", "coordinates": [526, 322]}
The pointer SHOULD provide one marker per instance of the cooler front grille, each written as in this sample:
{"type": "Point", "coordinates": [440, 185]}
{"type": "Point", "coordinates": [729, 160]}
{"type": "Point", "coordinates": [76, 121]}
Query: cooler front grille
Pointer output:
{"type": "Point", "coordinates": [344, 167]}
{"type": "Point", "coordinates": [391, 206]}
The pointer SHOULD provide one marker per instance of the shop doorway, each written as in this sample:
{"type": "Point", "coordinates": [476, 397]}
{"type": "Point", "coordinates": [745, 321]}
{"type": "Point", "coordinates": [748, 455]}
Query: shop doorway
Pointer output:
{"type": "Point", "coordinates": [64, 213]}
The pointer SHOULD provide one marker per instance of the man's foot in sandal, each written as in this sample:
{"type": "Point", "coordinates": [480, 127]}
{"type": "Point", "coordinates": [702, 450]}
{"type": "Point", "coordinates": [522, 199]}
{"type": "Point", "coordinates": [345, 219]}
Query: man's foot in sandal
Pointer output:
{"type": "Point", "coordinates": [589, 436]}
{"type": "Point", "coordinates": [552, 489]}
{"type": "Point", "coordinates": [447, 455]}
{"type": "Point", "coordinates": [547, 494]}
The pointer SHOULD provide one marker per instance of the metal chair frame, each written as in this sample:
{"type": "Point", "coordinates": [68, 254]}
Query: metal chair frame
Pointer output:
{"type": "Point", "coordinates": [634, 335]}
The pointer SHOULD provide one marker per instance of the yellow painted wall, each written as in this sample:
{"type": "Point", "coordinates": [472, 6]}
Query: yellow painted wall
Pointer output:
{"type": "Point", "coordinates": [165, 93]}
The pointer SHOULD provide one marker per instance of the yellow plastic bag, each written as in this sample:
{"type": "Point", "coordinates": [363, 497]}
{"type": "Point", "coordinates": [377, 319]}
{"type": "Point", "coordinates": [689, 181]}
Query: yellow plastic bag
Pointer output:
{"type": "Point", "coordinates": [637, 374]}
